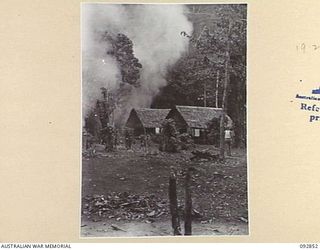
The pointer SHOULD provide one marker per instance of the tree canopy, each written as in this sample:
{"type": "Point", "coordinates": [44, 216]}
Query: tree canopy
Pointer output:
{"type": "Point", "coordinates": [197, 78]}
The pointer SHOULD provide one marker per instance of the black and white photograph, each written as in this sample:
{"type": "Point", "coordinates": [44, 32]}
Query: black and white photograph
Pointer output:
{"type": "Point", "coordinates": [164, 120]}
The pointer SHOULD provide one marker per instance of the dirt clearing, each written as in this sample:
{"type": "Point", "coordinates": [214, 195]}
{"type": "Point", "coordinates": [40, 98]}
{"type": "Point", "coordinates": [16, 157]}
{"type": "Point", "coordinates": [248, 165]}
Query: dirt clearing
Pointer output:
{"type": "Point", "coordinates": [129, 189]}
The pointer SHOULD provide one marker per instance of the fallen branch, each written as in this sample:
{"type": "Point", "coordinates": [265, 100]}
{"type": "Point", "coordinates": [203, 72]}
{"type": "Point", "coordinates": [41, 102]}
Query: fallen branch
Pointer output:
{"type": "Point", "coordinates": [197, 154]}
{"type": "Point", "coordinates": [114, 227]}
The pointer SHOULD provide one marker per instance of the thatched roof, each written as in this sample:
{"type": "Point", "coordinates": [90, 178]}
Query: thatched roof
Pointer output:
{"type": "Point", "coordinates": [151, 118]}
{"type": "Point", "coordinates": [200, 117]}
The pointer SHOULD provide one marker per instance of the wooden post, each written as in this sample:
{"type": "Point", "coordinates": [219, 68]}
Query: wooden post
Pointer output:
{"type": "Point", "coordinates": [222, 119]}
{"type": "Point", "coordinates": [174, 204]}
{"type": "Point", "coordinates": [205, 95]}
{"type": "Point", "coordinates": [188, 205]}
{"type": "Point", "coordinates": [144, 140]}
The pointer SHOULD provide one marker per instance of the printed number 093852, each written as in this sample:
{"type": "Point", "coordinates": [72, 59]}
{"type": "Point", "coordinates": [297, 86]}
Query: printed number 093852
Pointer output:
{"type": "Point", "coordinates": [309, 246]}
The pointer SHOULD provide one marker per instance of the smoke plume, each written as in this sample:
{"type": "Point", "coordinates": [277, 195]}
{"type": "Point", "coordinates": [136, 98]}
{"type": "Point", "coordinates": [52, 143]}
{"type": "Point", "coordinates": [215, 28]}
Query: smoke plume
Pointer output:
{"type": "Point", "coordinates": [157, 43]}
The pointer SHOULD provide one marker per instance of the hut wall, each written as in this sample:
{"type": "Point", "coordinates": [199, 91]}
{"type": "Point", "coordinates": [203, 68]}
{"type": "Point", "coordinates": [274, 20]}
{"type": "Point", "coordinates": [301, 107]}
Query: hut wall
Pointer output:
{"type": "Point", "coordinates": [150, 131]}
{"type": "Point", "coordinates": [180, 123]}
{"type": "Point", "coordinates": [201, 136]}
{"type": "Point", "coordinates": [134, 123]}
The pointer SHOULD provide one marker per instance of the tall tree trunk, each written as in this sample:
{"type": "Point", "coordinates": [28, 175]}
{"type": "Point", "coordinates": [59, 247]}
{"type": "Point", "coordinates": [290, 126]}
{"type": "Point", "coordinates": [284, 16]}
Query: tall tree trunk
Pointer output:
{"type": "Point", "coordinates": [217, 90]}
{"type": "Point", "coordinates": [225, 94]}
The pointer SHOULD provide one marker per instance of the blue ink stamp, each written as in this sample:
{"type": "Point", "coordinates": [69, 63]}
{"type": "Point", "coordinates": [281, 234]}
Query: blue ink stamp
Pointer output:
{"type": "Point", "coordinates": [316, 91]}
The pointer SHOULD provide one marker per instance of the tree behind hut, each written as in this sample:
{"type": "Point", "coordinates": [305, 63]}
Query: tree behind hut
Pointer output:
{"type": "Point", "coordinates": [202, 73]}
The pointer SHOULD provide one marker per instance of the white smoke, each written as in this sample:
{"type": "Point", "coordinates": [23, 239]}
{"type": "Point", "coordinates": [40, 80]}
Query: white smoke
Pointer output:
{"type": "Point", "coordinates": [157, 43]}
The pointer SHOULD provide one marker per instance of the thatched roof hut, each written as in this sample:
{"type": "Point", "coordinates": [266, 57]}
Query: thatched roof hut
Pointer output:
{"type": "Point", "coordinates": [196, 120]}
{"type": "Point", "coordinates": [146, 120]}
{"type": "Point", "coordinates": [199, 117]}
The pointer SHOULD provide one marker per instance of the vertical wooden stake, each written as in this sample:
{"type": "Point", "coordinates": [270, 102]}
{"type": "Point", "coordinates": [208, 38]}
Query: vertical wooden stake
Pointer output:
{"type": "Point", "coordinates": [188, 205]}
{"type": "Point", "coordinates": [174, 204]}
{"type": "Point", "coordinates": [205, 95]}
{"type": "Point", "coordinates": [222, 144]}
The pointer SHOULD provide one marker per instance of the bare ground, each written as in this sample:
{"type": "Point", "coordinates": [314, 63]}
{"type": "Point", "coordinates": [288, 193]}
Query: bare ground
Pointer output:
{"type": "Point", "coordinates": [219, 192]}
{"type": "Point", "coordinates": [160, 228]}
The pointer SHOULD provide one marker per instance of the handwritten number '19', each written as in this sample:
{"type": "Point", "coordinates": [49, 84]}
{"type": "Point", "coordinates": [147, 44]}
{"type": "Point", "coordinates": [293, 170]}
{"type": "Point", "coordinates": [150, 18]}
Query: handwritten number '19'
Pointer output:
{"type": "Point", "coordinates": [301, 47]}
